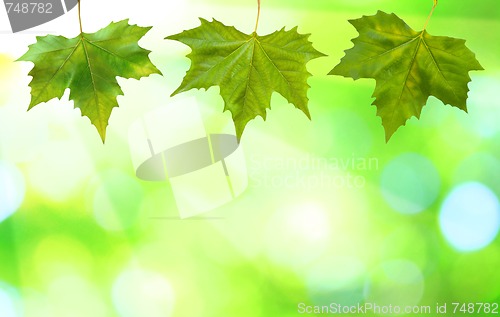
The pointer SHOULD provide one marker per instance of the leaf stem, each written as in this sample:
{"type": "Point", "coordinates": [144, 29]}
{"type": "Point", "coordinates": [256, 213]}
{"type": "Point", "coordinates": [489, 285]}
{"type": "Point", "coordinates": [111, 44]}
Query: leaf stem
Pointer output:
{"type": "Point", "coordinates": [430, 14]}
{"type": "Point", "coordinates": [258, 16]}
{"type": "Point", "coordinates": [80, 17]}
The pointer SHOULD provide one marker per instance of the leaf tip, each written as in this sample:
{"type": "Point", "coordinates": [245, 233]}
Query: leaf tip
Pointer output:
{"type": "Point", "coordinates": [321, 54]}
{"type": "Point", "coordinates": [205, 21]}
{"type": "Point", "coordinates": [479, 67]}
{"type": "Point", "coordinates": [22, 58]}
{"type": "Point", "coordinates": [333, 72]}
{"type": "Point", "coordinates": [31, 105]}
{"type": "Point", "coordinates": [239, 131]}
{"type": "Point", "coordinates": [388, 135]}
{"type": "Point", "coordinates": [102, 134]}
{"type": "Point", "coordinates": [177, 91]}
{"type": "Point", "coordinates": [308, 115]}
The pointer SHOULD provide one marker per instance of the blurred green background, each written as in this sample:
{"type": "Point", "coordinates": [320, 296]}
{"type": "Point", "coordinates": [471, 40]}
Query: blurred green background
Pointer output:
{"type": "Point", "coordinates": [332, 213]}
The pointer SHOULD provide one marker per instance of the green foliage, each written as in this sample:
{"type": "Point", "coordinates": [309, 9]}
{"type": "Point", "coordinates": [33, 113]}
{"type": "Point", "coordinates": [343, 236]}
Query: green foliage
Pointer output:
{"type": "Point", "coordinates": [408, 67]}
{"type": "Point", "coordinates": [88, 65]}
{"type": "Point", "coordinates": [248, 68]}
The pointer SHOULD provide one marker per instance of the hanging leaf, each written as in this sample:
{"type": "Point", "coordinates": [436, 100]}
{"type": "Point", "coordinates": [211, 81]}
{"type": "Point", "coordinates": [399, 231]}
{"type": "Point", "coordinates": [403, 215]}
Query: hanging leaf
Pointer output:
{"type": "Point", "coordinates": [248, 68]}
{"type": "Point", "coordinates": [88, 65]}
{"type": "Point", "coordinates": [408, 67]}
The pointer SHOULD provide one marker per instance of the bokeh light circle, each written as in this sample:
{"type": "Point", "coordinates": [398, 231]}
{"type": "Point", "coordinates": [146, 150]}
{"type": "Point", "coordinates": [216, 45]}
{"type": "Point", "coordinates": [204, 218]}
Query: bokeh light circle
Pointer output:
{"type": "Point", "coordinates": [395, 282]}
{"type": "Point", "coordinates": [138, 293]}
{"type": "Point", "coordinates": [341, 278]}
{"type": "Point", "coordinates": [117, 202]}
{"type": "Point", "coordinates": [410, 183]}
{"type": "Point", "coordinates": [483, 115]}
{"type": "Point", "coordinates": [31, 134]}
{"type": "Point", "coordinates": [479, 167]}
{"type": "Point", "coordinates": [9, 298]}
{"type": "Point", "coordinates": [75, 296]}
{"type": "Point", "coordinates": [36, 303]}
{"type": "Point", "coordinates": [12, 190]}
{"type": "Point", "coordinates": [411, 242]}
{"type": "Point", "coordinates": [298, 234]}
{"type": "Point", "coordinates": [470, 217]}
{"type": "Point", "coordinates": [61, 170]}
{"type": "Point", "coordinates": [58, 255]}
{"type": "Point", "coordinates": [350, 123]}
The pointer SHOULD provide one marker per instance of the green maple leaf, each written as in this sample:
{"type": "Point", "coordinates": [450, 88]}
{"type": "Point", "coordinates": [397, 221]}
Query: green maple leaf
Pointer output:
{"type": "Point", "coordinates": [88, 65]}
{"type": "Point", "coordinates": [248, 68]}
{"type": "Point", "coordinates": [408, 67]}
